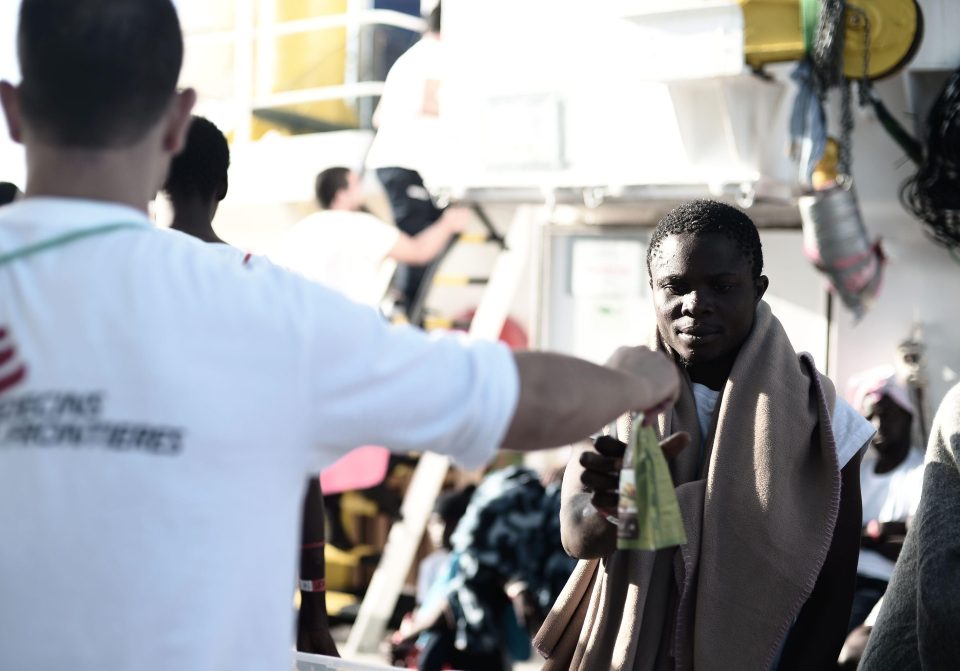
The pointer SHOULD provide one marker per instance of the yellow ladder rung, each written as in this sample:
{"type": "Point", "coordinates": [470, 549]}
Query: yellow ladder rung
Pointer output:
{"type": "Point", "coordinates": [474, 238]}
{"type": "Point", "coordinates": [457, 280]}
{"type": "Point", "coordinates": [431, 323]}
{"type": "Point", "coordinates": [437, 322]}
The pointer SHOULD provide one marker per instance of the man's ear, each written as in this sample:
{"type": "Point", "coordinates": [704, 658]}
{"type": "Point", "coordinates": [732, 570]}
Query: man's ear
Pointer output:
{"type": "Point", "coordinates": [178, 121]}
{"type": "Point", "coordinates": [10, 99]}
{"type": "Point", "coordinates": [762, 283]}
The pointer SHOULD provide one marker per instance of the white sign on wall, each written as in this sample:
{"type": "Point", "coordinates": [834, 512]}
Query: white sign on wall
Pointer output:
{"type": "Point", "coordinates": [607, 268]}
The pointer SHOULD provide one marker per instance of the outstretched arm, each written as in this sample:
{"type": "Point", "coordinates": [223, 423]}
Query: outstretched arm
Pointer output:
{"type": "Point", "coordinates": [426, 245]}
{"type": "Point", "coordinates": [563, 400]}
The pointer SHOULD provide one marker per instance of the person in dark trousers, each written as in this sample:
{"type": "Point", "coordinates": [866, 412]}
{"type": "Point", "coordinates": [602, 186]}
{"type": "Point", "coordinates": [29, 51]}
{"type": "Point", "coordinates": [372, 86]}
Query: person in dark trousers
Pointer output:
{"type": "Point", "coordinates": [196, 184]}
{"type": "Point", "coordinates": [313, 624]}
{"type": "Point", "coordinates": [350, 250]}
{"type": "Point", "coordinates": [433, 575]}
{"type": "Point", "coordinates": [406, 123]}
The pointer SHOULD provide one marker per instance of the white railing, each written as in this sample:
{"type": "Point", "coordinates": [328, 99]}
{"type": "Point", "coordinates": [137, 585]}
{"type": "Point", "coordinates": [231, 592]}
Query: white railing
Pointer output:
{"type": "Point", "coordinates": [255, 55]}
{"type": "Point", "coordinates": [319, 93]}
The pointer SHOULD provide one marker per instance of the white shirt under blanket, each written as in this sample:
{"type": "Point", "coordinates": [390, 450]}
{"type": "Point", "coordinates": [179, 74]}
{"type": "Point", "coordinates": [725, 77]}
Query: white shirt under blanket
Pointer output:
{"type": "Point", "coordinates": [851, 432]}
{"type": "Point", "coordinates": [888, 497]}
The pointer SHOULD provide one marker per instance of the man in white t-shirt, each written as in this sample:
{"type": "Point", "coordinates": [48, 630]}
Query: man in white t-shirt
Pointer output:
{"type": "Point", "coordinates": [918, 627]}
{"type": "Point", "coordinates": [161, 404]}
{"type": "Point", "coordinates": [353, 251]}
{"type": "Point", "coordinates": [407, 139]}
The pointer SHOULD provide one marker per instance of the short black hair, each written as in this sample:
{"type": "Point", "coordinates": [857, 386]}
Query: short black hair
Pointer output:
{"type": "Point", "coordinates": [433, 19]}
{"type": "Point", "coordinates": [97, 73]}
{"type": "Point", "coordinates": [451, 506]}
{"type": "Point", "coordinates": [329, 183]}
{"type": "Point", "coordinates": [703, 217]}
{"type": "Point", "coordinates": [201, 168]}
{"type": "Point", "coordinates": [8, 192]}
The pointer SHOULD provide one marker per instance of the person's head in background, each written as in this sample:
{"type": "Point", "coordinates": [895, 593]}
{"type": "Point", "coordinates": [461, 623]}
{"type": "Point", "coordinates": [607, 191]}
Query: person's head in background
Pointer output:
{"type": "Point", "coordinates": [198, 180]}
{"type": "Point", "coordinates": [433, 21]}
{"type": "Point", "coordinates": [447, 512]}
{"type": "Point", "coordinates": [705, 263]}
{"type": "Point", "coordinates": [8, 193]}
{"type": "Point", "coordinates": [97, 107]}
{"type": "Point", "coordinates": [339, 189]}
{"type": "Point", "coordinates": [887, 404]}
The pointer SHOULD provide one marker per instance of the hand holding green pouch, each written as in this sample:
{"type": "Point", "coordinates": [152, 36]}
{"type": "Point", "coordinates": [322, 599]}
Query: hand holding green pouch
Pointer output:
{"type": "Point", "coordinates": [648, 510]}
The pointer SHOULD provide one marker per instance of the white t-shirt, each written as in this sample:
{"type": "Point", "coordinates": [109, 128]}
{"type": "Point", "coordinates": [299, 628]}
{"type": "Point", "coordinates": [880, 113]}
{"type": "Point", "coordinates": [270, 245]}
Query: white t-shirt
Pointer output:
{"type": "Point", "coordinates": [851, 432]}
{"type": "Point", "coordinates": [346, 251]}
{"type": "Point", "coordinates": [154, 454]}
{"type": "Point", "coordinates": [888, 497]}
{"type": "Point", "coordinates": [429, 569]}
{"type": "Point", "coordinates": [406, 137]}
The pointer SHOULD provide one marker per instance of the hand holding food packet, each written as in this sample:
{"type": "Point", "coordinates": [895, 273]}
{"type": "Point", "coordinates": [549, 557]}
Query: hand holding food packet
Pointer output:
{"type": "Point", "coordinates": [648, 512]}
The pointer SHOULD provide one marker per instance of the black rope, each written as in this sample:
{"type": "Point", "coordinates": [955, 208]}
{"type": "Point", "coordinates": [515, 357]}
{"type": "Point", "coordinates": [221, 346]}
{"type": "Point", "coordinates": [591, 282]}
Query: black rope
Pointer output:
{"type": "Point", "coordinates": [933, 193]}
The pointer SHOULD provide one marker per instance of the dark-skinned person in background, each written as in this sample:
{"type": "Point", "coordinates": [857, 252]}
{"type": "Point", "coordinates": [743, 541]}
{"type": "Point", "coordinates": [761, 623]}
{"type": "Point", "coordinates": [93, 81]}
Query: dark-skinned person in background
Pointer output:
{"type": "Point", "coordinates": [918, 626]}
{"type": "Point", "coordinates": [891, 480]}
{"type": "Point", "coordinates": [197, 182]}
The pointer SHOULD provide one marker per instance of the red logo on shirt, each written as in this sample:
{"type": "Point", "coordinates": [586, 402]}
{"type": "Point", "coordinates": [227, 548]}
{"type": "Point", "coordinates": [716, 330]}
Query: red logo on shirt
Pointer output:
{"type": "Point", "coordinates": [12, 370]}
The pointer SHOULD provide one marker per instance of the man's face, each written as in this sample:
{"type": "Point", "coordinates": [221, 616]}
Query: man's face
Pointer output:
{"type": "Point", "coordinates": [353, 194]}
{"type": "Point", "coordinates": [704, 295]}
{"type": "Point", "coordinates": [891, 422]}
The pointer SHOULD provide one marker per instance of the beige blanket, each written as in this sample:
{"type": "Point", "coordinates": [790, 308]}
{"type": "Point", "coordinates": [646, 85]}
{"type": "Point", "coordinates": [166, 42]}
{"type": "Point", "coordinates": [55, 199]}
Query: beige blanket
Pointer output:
{"type": "Point", "coordinates": [759, 512]}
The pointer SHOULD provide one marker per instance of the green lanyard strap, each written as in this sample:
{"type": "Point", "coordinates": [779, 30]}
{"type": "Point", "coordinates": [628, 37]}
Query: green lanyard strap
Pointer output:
{"type": "Point", "coordinates": [61, 240]}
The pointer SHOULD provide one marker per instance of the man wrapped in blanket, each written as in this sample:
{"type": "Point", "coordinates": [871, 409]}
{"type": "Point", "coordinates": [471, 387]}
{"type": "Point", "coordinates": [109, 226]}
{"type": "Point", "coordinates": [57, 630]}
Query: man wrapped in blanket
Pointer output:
{"type": "Point", "coordinates": [768, 485]}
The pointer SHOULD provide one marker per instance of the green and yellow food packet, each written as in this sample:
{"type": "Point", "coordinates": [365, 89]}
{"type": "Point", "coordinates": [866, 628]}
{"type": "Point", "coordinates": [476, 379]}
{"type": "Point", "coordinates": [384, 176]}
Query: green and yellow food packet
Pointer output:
{"type": "Point", "coordinates": [648, 510]}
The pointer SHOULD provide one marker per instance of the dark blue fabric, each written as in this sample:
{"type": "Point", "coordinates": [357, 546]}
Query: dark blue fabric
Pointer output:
{"type": "Point", "coordinates": [411, 214]}
{"type": "Point", "coordinates": [865, 596]}
{"type": "Point", "coordinates": [510, 532]}
{"type": "Point", "coordinates": [808, 123]}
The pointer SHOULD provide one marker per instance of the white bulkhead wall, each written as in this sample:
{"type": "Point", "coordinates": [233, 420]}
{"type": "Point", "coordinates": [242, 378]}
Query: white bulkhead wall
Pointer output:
{"type": "Point", "coordinates": [921, 281]}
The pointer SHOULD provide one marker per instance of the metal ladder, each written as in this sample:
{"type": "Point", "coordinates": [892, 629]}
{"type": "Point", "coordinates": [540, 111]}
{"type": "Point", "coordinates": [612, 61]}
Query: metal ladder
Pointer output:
{"type": "Point", "coordinates": [405, 535]}
{"type": "Point", "coordinates": [418, 313]}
